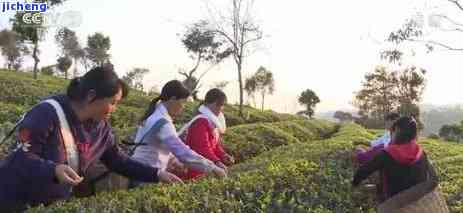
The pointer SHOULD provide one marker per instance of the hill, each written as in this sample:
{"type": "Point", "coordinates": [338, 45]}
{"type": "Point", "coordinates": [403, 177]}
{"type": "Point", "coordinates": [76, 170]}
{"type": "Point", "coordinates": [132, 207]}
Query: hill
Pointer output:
{"type": "Point", "coordinates": [285, 163]}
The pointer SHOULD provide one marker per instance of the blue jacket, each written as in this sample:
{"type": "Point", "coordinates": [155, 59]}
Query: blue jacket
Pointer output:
{"type": "Point", "coordinates": [28, 174]}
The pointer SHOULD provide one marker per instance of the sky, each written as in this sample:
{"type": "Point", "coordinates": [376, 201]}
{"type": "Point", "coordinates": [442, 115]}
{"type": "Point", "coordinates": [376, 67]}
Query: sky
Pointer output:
{"type": "Point", "coordinates": [326, 46]}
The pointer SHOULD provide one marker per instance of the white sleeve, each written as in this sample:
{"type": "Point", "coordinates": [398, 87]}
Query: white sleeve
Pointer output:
{"type": "Point", "coordinates": [382, 140]}
{"type": "Point", "coordinates": [167, 131]}
{"type": "Point", "coordinates": [182, 152]}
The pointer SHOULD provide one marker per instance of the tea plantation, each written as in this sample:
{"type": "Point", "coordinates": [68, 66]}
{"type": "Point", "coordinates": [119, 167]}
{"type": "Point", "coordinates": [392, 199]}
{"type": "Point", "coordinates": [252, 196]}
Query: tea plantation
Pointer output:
{"type": "Point", "coordinates": [284, 163]}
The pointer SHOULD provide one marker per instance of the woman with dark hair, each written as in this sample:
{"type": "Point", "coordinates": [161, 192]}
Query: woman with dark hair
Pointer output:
{"type": "Point", "coordinates": [161, 141]}
{"type": "Point", "coordinates": [203, 133]}
{"type": "Point", "coordinates": [378, 144]}
{"type": "Point", "coordinates": [61, 137]}
{"type": "Point", "coordinates": [403, 163]}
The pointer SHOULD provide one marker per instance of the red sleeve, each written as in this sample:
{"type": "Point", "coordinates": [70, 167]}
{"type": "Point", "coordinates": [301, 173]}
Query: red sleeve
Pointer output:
{"type": "Point", "coordinates": [219, 151]}
{"type": "Point", "coordinates": [199, 139]}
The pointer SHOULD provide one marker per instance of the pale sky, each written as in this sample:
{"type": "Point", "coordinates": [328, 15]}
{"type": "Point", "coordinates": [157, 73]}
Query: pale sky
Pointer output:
{"type": "Point", "coordinates": [326, 46]}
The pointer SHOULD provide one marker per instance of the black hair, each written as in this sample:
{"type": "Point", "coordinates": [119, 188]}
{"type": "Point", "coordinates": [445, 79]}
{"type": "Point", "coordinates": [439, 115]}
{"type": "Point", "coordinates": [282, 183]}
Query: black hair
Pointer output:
{"type": "Point", "coordinates": [172, 89]}
{"type": "Point", "coordinates": [406, 129]}
{"type": "Point", "coordinates": [215, 95]}
{"type": "Point", "coordinates": [102, 80]}
{"type": "Point", "coordinates": [392, 116]}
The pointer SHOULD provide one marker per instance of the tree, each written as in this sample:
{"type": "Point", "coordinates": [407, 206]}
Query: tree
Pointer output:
{"type": "Point", "coordinates": [250, 86]}
{"type": "Point", "coordinates": [48, 70]}
{"type": "Point", "coordinates": [265, 83]}
{"type": "Point", "coordinates": [451, 132]}
{"type": "Point", "coordinates": [12, 49]}
{"type": "Point", "coordinates": [204, 47]}
{"type": "Point", "coordinates": [384, 91]}
{"type": "Point", "coordinates": [97, 49]}
{"type": "Point", "coordinates": [239, 30]}
{"type": "Point", "coordinates": [343, 116]}
{"type": "Point", "coordinates": [414, 30]}
{"type": "Point", "coordinates": [221, 84]}
{"type": "Point", "coordinates": [63, 65]}
{"type": "Point", "coordinates": [69, 44]}
{"type": "Point", "coordinates": [32, 33]}
{"type": "Point", "coordinates": [134, 78]}
{"type": "Point", "coordinates": [310, 100]}
{"type": "Point", "coordinates": [377, 97]}
{"type": "Point", "coordinates": [410, 88]}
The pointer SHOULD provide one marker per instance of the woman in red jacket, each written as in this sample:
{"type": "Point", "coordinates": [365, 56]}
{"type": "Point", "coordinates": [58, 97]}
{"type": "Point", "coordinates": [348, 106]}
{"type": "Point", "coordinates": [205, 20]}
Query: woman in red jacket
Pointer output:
{"type": "Point", "coordinates": [203, 132]}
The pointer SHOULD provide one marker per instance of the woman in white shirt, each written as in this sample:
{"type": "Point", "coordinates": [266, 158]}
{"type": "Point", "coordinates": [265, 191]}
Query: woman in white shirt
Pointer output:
{"type": "Point", "coordinates": [157, 133]}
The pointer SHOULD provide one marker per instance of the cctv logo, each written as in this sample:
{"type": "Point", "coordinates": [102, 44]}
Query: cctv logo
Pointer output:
{"type": "Point", "coordinates": [33, 18]}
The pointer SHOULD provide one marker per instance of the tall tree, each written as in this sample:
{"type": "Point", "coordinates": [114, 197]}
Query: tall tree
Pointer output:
{"type": "Point", "coordinates": [310, 100]}
{"type": "Point", "coordinates": [250, 86]}
{"type": "Point", "coordinates": [32, 33]}
{"type": "Point", "coordinates": [204, 47]}
{"type": "Point", "coordinates": [384, 91]}
{"type": "Point", "coordinates": [70, 47]}
{"type": "Point", "coordinates": [410, 88]}
{"type": "Point", "coordinates": [12, 49]}
{"type": "Point", "coordinates": [265, 83]}
{"type": "Point", "coordinates": [239, 30]}
{"type": "Point", "coordinates": [97, 49]}
{"type": "Point", "coordinates": [134, 78]}
{"type": "Point", "coordinates": [377, 98]}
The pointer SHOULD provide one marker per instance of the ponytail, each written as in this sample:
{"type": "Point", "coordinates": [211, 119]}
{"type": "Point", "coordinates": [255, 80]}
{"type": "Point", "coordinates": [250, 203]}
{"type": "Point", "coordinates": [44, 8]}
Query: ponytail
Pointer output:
{"type": "Point", "coordinates": [171, 90]}
{"type": "Point", "coordinates": [151, 109]}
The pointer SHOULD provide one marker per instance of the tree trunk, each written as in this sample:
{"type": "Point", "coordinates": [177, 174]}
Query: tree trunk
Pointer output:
{"type": "Point", "coordinates": [75, 68]}
{"type": "Point", "coordinates": [36, 58]}
{"type": "Point", "coordinates": [240, 81]}
{"type": "Point", "coordinates": [263, 100]}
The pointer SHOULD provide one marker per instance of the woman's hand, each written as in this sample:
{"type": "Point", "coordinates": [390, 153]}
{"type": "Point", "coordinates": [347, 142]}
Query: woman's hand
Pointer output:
{"type": "Point", "coordinates": [220, 172]}
{"type": "Point", "coordinates": [169, 178]}
{"type": "Point", "coordinates": [176, 167]}
{"type": "Point", "coordinates": [67, 175]}
{"type": "Point", "coordinates": [221, 165]}
{"type": "Point", "coordinates": [229, 160]}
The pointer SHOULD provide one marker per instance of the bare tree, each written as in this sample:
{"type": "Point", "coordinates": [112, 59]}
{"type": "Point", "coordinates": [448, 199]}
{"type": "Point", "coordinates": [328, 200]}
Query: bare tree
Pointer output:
{"type": "Point", "coordinates": [239, 29]}
{"type": "Point", "coordinates": [413, 31]}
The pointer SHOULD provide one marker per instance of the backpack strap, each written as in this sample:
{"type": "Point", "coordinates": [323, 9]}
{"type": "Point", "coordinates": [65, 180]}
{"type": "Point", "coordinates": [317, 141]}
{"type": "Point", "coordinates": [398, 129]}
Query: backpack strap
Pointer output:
{"type": "Point", "coordinates": [153, 130]}
{"type": "Point", "coordinates": [72, 155]}
{"type": "Point", "coordinates": [182, 133]}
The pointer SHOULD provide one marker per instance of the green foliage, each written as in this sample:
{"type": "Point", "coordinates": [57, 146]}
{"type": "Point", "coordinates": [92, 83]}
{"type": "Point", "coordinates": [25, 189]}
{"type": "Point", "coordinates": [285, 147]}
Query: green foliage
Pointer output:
{"type": "Point", "coordinates": [247, 141]}
{"type": "Point", "coordinates": [134, 78]}
{"type": "Point", "coordinates": [310, 100]}
{"type": "Point", "coordinates": [452, 132]}
{"type": "Point", "coordinates": [97, 48]}
{"type": "Point", "coordinates": [20, 92]}
{"type": "Point", "coordinates": [385, 91]}
{"type": "Point", "coordinates": [300, 177]}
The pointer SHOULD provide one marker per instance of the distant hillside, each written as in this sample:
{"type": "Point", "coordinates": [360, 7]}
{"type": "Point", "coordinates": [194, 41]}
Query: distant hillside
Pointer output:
{"type": "Point", "coordinates": [433, 117]}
